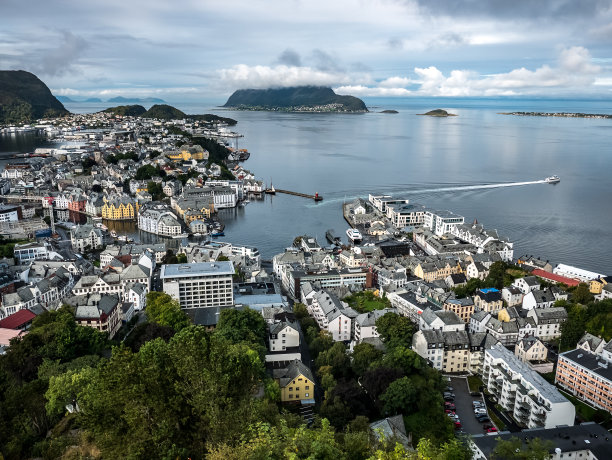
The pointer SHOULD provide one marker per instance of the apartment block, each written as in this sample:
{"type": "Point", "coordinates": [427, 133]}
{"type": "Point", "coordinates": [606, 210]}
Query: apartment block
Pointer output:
{"type": "Point", "coordinates": [206, 284]}
{"type": "Point", "coordinates": [531, 400]}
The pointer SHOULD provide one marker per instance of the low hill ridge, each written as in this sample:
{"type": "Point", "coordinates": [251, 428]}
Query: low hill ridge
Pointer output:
{"type": "Point", "coordinates": [24, 98]}
{"type": "Point", "coordinates": [296, 98]}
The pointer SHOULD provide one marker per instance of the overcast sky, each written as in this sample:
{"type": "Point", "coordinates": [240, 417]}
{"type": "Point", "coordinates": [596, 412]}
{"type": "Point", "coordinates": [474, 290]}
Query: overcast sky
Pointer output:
{"type": "Point", "coordinates": [200, 49]}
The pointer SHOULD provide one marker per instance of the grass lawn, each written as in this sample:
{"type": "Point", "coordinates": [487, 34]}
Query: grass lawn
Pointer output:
{"type": "Point", "coordinates": [366, 301]}
{"type": "Point", "coordinates": [516, 272]}
{"type": "Point", "coordinates": [583, 410]}
{"type": "Point", "coordinates": [474, 382]}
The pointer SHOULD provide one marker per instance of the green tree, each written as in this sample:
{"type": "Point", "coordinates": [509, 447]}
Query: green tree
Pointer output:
{"type": "Point", "coordinates": [165, 311]}
{"type": "Point", "coordinates": [181, 258]}
{"type": "Point", "coordinates": [582, 294]}
{"type": "Point", "coordinates": [364, 354]}
{"type": "Point", "coordinates": [336, 357]}
{"type": "Point", "coordinates": [242, 326]}
{"type": "Point", "coordinates": [146, 172]}
{"type": "Point", "coordinates": [514, 449]}
{"type": "Point", "coordinates": [400, 397]}
{"type": "Point", "coordinates": [395, 330]}
{"type": "Point", "coordinates": [156, 190]}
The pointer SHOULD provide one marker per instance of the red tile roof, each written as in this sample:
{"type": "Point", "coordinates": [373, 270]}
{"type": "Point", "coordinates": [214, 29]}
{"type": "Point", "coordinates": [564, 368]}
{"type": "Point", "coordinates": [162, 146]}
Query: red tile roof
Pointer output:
{"type": "Point", "coordinates": [17, 319]}
{"type": "Point", "coordinates": [554, 277]}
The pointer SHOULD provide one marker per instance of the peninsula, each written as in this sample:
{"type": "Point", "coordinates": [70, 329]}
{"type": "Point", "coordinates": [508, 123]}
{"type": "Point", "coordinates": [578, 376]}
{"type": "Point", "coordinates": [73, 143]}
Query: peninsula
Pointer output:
{"type": "Point", "coordinates": [295, 99]}
{"type": "Point", "coordinates": [438, 113]}
{"type": "Point", "coordinates": [559, 114]}
{"type": "Point", "coordinates": [24, 98]}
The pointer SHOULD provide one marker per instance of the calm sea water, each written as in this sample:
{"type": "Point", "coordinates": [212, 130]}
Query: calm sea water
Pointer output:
{"type": "Point", "coordinates": [345, 156]}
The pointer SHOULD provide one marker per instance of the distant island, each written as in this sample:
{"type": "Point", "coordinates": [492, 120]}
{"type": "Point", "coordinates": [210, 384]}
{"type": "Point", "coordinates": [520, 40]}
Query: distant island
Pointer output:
{"type": "Point", "coordinates": [438, 113]}
{"type": "Point", "coordinates": [119, 99]}
{"type": "Point", "coordinates": [24, 98]}
{"type": "Point", "coordinates": [123, 100]}
{"type": "Point", "coordinates": [295, 99]}
{"type": "Point", "coordinates": [559, 114]}
{"type": "Point", "coordinates": [165, 112]}
{"type": "Point", "coordinates": [389, 111]}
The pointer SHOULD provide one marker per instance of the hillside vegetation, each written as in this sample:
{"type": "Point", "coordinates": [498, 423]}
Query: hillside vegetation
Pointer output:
{"type": "Point", "coordinates": [24, 98]}
{"type": "Point", "coordinates": [299, 96]}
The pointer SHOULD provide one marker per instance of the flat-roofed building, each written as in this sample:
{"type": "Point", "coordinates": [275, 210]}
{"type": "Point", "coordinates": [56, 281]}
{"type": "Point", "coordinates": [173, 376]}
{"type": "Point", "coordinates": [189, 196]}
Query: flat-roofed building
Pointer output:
{"type": "Point", "coordinates": [205, 284]}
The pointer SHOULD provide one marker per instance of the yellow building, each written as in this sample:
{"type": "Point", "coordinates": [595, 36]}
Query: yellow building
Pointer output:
{"type": "Point", "coordinates": [194, 209]}
{"type": "Point", "coordinates": [119, 209]}
{"type": "Point", "coordinates": [436, 270]}
{"type": "Point", "coordinates": [597, 285]}
{"type": "Point", "coordinates": [188, 153]}
{"type": "Point", "coordinates": [296, 382]}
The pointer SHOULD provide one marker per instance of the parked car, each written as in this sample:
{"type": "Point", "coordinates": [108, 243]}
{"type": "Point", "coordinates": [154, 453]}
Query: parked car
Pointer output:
{"type": "Point", "coordinates": [449, 388]}
{"type": "Point", "coordinates": [492, 430]}
{"type": "Point", "coordinates": [484, 419]}
{"type": "Point", "coordinates": [457, 425]}
{"type": "Point", "coordinates": [449, 398]}
{"type": "Point", "coordinates": [448, 393]}
{"type": "Point", "coordinates": [480, 411]}
{"type": "Point", "coordinates": [486, 426]}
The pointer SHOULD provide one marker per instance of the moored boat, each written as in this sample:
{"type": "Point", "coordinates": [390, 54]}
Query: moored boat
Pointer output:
{"type": "Point", "coordinates": [354, 235]}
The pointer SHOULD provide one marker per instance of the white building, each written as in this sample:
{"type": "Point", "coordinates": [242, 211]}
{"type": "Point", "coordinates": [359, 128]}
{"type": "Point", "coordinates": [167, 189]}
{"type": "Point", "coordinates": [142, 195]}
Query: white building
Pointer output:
{"type": "Point", "coordinates": [531, 400]}
{"type": "Point", "coordinates": [31, 251]}
{"type": "Point", "coordinates": [331, 314]}
{"type": "Point", "coordinates": [512, 296]}
{"type": "Point", "coordinates": [538, 299]}
{"type": "Point", "coordinates": [576, 273]}
{"type": "Point", "coordinates": [86, 236]}
{"type": "Point", "coordinates": [548, 322]}
{"type": "Point", "coordinates": [485, 240]}
{"type": "Point", "coordinates": [283, 335]}
{"type": "Point", "coordinates": [365, 324]}
{"type": "Point", "coordinates": [441, 222]}
{"type": "Point", "coordinates": [527, 284]}
{"type": "Point", "coordinates": [205, 284]}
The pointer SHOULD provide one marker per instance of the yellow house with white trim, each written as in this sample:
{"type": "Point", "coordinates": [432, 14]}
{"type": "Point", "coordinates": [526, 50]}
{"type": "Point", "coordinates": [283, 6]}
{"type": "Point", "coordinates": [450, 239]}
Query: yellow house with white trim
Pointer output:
{"type": "Point", "coordinates": [296, 382]}
{"type": "Point", "coordinates": [119, 209]}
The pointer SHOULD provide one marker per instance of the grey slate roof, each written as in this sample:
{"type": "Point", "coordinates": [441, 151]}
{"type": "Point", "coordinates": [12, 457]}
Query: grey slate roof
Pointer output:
{"type": "Point", "coordinates": [294, 369]}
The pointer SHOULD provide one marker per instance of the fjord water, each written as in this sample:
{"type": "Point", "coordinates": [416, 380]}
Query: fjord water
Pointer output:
{"type": "Point", "coordinates": [343, 156]}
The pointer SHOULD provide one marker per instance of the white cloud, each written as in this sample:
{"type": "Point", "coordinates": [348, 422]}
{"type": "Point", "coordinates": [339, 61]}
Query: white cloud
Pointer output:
{"type": "Point", "coordinates": [575, 72]}
{"type": "Point", "coordinates": [367, 91]}
{"type": "Point", "coordinates": [243, 76]}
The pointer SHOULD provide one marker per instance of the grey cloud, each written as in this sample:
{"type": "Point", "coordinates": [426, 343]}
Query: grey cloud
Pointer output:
{"type": "Point", "coordinates": [289, 58]}
{"type": "Point", "coordinates": [59, 60]}
{"type": "Point", "coordinates": [504, 9]}
{"type": "Point", "coordinates": [395, 43]}
{"type": "Point", "coordinates": [325, 61]}
{"type": "Point", "coordinates": [447, 39]}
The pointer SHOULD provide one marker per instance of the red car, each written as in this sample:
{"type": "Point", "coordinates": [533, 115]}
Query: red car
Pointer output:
{"type": "Point", "coordinates": [449, 406]}
{"type": "Point", "coordinates": [457, 425]}
{"type": "Point", "coordinates": [449, 411]}
{"type": "Point", "coordinates": [492, 430]}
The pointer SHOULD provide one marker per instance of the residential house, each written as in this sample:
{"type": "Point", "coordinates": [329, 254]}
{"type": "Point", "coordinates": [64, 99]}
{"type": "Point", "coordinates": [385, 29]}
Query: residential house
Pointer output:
{"type": "Point", "coordinates": [489, 299]}
{"type": "Point", "coordinates": [530, 349]}
{"type": "Point", "coordinates": [441, 320]}
{"type": "Point", "coordinates": [296, 383]}
{"type": "Point", "coordinates": [548, 322]}
{"type": "Point", "coordinates": [464, 308]}
{"type": "Point", "coordinates": [527, 284]}
{"type": "Point", "coordinates": [100, 311]}
{"type": "Point", "coordinates": [512, 295]}
{"type": "Point", "coordinates": [283, 335]}
{"type": "Point", "coordinates": [538, 299]}
{"type": "Point", "coordinates": [86, 237]}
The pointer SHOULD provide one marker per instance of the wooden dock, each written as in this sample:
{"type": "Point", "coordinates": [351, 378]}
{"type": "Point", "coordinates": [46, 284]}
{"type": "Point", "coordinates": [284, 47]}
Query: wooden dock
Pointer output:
{"type": "Point", "coordinates": [315, 197]}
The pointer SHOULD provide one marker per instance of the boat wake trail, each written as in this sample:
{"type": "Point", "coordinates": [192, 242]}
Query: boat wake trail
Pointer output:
{"type": "Point", "coordinates": [421, 191]}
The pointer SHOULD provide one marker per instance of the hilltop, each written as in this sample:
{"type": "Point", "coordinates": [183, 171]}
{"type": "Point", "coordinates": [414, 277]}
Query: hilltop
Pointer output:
{"type": "Point", "coordinates": [24, 97]}
{"type": "Point", "coordinates": [127, 110]}
{"type": "Point", "coordinates": [299, 99]}
{"type": "Point", "coordinates": [164, 112]}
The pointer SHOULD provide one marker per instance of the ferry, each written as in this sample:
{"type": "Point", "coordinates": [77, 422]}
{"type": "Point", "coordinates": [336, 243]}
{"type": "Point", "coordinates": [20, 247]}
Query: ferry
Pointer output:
{"type": "Point", "coordinates": [354, 235]}
{"type": "Point", "coordinates": [552, 180]}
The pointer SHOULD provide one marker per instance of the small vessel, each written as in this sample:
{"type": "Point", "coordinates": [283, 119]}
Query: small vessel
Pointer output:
{"type": "Point", "coordinates": [113, 233]}
{"type": "Point", "coordinates": [332, 237]}
{"type": "Point", "coordinates": [270, 190]}
{"type": "Point", "coordinates": [220, 233]}
{"type": "Point", "coordinates": [552, 180]}
{"type": "Point", "coordinates": [354, 235]}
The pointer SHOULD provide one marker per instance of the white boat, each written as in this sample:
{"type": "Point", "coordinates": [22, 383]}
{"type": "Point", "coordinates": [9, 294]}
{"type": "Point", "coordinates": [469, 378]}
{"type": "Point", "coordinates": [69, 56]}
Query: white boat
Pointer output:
{"type": "Point", "coordinates": [113, 233]}
{"type": "Point", "coordinates": [354, 235]}
{"type": "Point", "coordinates": [552, 180]}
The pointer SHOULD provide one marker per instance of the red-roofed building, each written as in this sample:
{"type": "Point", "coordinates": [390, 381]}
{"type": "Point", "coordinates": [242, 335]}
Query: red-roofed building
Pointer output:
{"type": "Point", "coordinates": [20, 320]}
{"type": "Point", "coordinates": [555, 278]}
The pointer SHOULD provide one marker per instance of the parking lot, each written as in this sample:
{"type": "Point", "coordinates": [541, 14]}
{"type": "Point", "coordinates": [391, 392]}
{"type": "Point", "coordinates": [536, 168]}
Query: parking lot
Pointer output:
{"type": "Point", "coordinates": [464, 409]}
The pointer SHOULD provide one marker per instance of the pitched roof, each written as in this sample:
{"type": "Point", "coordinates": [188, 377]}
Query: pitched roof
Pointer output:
{"type": "Point", "coordinates": [293, 370]}
{"type": "Point", "coordinates": [17, 319]}
{"type": "Point", "coordinates": [556, 278]}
